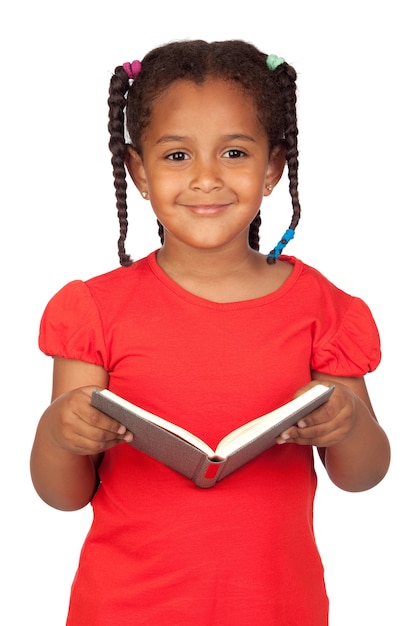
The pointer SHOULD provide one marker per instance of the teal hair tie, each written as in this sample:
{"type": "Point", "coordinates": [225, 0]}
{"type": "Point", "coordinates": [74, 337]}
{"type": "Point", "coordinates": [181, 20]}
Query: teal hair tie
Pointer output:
{"type": "Point", "coordinates": [273, 61]}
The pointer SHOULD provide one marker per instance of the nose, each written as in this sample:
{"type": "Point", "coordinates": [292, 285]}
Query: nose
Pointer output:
{"type": "Point", "coordinates": [206, 175]}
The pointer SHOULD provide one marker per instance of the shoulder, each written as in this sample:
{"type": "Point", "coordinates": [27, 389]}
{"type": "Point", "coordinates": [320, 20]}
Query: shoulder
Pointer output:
{"type": "Point", "coordinates": [119, 278]}
{"type": "Point", "coordinates": [79, 316]}
{"type": "Point", "coordinates": [109, 288]}
{"type": "Point", "coordinates": [315, 285]}
{"type": "Point", "coordinates": [345, 336]}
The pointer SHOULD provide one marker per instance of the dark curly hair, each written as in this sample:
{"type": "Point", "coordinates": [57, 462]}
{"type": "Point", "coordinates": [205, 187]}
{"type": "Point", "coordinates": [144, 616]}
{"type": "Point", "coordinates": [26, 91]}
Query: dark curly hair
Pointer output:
{"type": "Point", "coordinates": [273, 91]}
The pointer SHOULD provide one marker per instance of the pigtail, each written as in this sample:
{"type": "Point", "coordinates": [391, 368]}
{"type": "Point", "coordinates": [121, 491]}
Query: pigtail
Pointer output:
{"type": "Point", "coordinates": [119, 85]}
{"type": "Point", "coordinates": [254, 232]}
{"type": "Point", "coordinates": [291, 138]}
{"type": "Point", "coordinates": [161, 232]}
{"type": "Point", "coordinates": [286, 77]}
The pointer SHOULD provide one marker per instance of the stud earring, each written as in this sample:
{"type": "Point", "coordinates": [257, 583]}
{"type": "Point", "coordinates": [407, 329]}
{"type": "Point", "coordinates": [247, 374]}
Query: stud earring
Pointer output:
{"type": "Point", "coordinates": [269, 187]}
{"type": "Point", "coordinates": [145, 194]}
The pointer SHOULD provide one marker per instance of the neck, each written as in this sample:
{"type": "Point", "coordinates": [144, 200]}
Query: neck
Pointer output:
{"type": "Point", "coordinates": [184, 260]}
{"type": "Point", "coordinates": [228, 275]}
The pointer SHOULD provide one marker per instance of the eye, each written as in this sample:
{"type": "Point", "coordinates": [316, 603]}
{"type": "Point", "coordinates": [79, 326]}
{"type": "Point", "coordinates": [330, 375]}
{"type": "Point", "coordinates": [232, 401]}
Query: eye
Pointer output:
{"type": "Point", "coordinates": [234, 153]}
{"type": "Point", "coordinates": [178, 156]}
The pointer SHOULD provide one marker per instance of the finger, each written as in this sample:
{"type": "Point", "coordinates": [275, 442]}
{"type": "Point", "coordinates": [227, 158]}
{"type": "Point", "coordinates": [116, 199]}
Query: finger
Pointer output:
{"type": "Point", "coordinates": [87, 439]}
{"type": "Point", "coordinates": [99, 430]}
{"type": "Point", "coordinates": [96, 418]}
{"type": "Point", "coordinates": [83, 446]}
{"type": "Point", "coordinates": [304, 434]}
{"type": "Point", "coordinates": [99, 436]}
{"type": "Point", "coordinates": [93, 416]}
{"type": "Point", "coordinates": [321, 436]}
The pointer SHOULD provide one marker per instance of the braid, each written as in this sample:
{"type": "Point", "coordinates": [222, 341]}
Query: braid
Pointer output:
{"type": "Point", "coordinates": [161, 232]}
{"type": "Point", "coordinates": [287, 84]}
{"type": "Point", "coordinates": [254, 232]}
{"type": "Point", "coordinates": [288, 77]}
{"type": "Point", "coordinates": [119, 85]}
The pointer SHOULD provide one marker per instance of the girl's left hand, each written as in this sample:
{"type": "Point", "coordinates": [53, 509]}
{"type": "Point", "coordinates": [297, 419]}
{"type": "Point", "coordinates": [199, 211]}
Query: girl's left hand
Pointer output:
{"type": "Point", "coordinates": [352, 445]}
{"type": "Point", "coordinates": [329, 424]}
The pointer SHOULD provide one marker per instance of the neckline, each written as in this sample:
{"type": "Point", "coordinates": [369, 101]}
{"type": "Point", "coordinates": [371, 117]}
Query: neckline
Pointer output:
{"type": "Point", "coordinates": [241, 304]}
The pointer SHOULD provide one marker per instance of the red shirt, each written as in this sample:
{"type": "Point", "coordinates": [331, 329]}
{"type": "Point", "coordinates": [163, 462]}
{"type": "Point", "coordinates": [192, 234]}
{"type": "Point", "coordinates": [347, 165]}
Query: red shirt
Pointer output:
{"type": "Point", "coordinates": [161, 550]}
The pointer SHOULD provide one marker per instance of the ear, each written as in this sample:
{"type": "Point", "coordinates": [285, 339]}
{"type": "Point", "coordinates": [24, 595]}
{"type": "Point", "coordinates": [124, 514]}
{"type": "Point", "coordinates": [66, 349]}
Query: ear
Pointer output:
{"type": "Point", "coordinates": [277, 162]}
{"type": "Point", "coordinates": [136, 170]}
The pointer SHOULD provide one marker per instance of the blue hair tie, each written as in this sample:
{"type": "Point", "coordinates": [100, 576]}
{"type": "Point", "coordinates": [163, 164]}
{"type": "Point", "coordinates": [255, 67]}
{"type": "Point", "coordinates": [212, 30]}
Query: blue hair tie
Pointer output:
{"type": "Point", "coordinates": [288, 235]}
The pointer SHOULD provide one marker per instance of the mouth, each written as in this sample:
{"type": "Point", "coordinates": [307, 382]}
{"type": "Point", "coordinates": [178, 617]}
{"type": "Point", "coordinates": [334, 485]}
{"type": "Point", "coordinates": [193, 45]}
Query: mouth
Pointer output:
{"type": "Point", "coordinates": [207, 209]}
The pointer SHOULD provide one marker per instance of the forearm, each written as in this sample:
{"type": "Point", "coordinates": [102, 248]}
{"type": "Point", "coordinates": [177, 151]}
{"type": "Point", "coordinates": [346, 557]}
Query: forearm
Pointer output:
{"type": "Point", "coordinates": [64, 480]}
{"type": "Point", "coordinates": [361, 460]}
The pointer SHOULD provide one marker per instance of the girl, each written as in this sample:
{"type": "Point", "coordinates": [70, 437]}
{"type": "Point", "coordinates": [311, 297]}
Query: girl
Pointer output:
{"type": "Point", "coordinates": [210, 333]}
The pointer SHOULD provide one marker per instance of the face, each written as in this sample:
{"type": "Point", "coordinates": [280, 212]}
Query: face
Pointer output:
{"type": "Point", "coordinates": [205, 164]}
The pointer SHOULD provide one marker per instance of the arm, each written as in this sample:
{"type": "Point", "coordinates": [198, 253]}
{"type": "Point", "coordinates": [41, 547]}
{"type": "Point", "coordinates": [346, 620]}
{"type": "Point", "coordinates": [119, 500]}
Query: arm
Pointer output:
{"type": "Point", "coordinates": [352, 445]}
{"type": "Point", "coordinates": [71, 437]}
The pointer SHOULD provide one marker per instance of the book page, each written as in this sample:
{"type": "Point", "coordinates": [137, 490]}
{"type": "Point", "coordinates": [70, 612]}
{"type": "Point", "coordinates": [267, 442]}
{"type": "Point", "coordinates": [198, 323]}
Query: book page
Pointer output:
{"type": "Point", "coordinates": [253, 429]}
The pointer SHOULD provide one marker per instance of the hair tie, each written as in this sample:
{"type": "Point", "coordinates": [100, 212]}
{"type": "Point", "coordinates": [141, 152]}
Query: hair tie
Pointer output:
{"type": "Point", "coordinates": [132, 69]}
{"type": "Point", "coordinates": [288, 235]}
{"type": "Point", "coordinates": [273, 61]}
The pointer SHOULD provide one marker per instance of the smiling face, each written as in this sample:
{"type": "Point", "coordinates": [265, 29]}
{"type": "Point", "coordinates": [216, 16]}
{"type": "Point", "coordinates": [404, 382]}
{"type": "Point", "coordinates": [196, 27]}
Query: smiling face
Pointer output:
{"type": "Point", "coordinates": [205, 164]}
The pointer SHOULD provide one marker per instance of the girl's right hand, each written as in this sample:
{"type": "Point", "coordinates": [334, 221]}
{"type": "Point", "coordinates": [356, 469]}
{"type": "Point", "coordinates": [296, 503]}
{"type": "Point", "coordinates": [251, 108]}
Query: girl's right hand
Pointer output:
{"type": "Point", "coordinates": [77, 427]}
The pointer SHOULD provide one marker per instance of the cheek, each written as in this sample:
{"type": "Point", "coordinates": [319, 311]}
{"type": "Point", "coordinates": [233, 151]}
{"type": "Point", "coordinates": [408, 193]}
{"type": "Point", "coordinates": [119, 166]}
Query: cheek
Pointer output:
{"type": "Point", "coordinates": [252, 191]}
{"type": "Point", "coordinates": [251, 182]}
{"type": "Point", "coordinates": [165, 186]}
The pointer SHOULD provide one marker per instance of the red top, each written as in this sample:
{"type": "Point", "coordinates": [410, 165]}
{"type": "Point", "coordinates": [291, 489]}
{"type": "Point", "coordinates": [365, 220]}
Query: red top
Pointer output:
{"type": "Point", "coordinates": [161, 550]}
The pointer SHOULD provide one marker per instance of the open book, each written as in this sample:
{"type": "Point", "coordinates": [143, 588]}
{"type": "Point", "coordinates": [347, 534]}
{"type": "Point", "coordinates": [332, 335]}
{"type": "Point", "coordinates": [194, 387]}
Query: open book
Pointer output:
{"type": "Point", "coordinates": [184, 452]}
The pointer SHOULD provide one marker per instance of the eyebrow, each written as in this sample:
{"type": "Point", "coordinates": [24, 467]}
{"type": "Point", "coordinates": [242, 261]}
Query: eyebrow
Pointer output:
{"type": "Point", "coordinates": [168, 138]}
{"type": "Point", "coordinates": [180, 138]}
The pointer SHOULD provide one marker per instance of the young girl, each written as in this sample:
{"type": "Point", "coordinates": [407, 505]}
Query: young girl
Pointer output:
{"type": "Point", "coordinates": [209, 333]}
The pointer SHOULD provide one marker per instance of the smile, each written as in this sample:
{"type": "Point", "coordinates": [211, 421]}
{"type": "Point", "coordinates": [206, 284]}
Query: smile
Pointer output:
{"type": "Point", "coordinates": [207, 209]}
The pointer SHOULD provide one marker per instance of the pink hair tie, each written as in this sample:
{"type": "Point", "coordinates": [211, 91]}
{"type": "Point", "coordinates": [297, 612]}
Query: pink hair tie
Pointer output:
{"type": "Point", "coordinates": [132, 69]}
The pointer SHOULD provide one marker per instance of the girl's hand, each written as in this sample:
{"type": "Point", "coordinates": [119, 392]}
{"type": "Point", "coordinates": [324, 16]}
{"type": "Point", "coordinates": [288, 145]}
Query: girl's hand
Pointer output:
{"type": "Point", "coordinates": [71, 437]}
{"type": "Point", "coordinates": [352, 445]}
{"type": "Point", "coordinates": [329, 424]}
{"type": "Point", "coordinates": [75, 426]}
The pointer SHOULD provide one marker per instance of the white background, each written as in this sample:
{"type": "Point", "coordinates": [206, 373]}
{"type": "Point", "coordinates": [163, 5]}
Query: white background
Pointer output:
{"type": "Point", "coordinates": [357, 104]}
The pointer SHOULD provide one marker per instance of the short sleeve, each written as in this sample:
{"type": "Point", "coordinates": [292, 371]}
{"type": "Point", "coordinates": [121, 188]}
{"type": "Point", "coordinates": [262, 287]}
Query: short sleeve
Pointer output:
{"type": "Point", "coordinates": [354, 348]}
{"type": "Point", "coordinates": [71, 326]}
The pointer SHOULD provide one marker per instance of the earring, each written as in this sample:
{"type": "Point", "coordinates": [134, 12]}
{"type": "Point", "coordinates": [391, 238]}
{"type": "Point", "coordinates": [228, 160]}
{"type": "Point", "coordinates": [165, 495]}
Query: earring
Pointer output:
{"type": "Point", "coordinates": [269, 187]}
{"type": "Point", "coordinates": [145, 194]}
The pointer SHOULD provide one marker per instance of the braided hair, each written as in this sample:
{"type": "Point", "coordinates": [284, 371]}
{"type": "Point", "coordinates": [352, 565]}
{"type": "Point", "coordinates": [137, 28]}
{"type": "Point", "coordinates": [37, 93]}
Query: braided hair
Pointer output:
{"type": "Point", "coordinates": [272, 88]}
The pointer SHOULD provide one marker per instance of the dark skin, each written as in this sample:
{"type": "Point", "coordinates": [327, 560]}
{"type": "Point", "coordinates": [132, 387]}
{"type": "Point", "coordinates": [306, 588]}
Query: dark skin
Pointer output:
{"type": "Point", "coordinates": [214, 178]}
